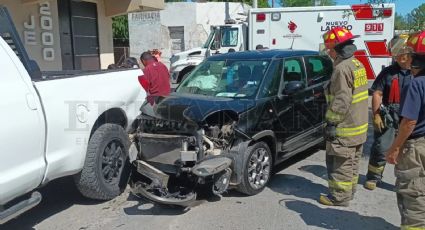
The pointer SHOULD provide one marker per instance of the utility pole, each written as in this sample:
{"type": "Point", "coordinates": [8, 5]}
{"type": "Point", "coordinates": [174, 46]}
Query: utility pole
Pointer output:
{"type": "Point", "coordinates": [254, 4]}
{"type": "Point", "coordinates": [272, 3]}
{"type": "Point", "coordinates": [317, 2]}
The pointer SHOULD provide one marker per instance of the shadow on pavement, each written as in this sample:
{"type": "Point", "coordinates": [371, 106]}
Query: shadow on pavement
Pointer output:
{"type": "Point", "coordinates": [58, 196]}
{"type": "Point", "coordinates": [296, 186]}
{"type": "Point", "coordinates": [329, 218]}
{"type": "Point", "coordinates": [321, 171]}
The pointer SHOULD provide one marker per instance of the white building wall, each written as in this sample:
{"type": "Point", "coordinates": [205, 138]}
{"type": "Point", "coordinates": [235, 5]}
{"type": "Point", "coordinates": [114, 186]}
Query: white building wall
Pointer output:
{"type": "Point", "coordinates": [149, 30]}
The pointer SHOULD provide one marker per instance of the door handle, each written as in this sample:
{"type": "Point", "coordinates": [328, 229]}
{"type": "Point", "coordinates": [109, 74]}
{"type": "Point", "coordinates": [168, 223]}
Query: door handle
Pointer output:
{"type": "Point", "coordinates": [31, 103]}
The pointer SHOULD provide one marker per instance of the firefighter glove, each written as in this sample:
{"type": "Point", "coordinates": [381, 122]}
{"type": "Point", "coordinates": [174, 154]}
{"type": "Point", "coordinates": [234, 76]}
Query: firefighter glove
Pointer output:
{"type": "Point", "coordinates": [330, 131]}
{"type": "Point", "coordinates": [378, 123]}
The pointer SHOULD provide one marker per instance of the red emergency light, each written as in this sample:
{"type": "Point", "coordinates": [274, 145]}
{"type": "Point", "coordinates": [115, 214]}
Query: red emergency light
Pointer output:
{"type": "Point", "coordinates": [387, 12]}
{"type": "Point", "coordinates": [261, 17]}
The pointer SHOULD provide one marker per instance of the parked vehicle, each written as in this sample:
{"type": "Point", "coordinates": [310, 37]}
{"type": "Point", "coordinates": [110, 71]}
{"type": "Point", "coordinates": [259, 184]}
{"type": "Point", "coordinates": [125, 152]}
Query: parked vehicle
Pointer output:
{"type": "Point", "coordinates": [228, 123]}
{"type": "Point", "coordinates": [298, 28]}
{"type": "Point", "coordinates": [58, 124]}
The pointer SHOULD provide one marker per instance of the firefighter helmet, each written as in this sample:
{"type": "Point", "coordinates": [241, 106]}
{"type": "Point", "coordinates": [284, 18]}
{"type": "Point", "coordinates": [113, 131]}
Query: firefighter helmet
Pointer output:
{"type": "Point", "coordinates": [417, 42]}
{"type": "Point", "coordinates": [398, 45]}
{"type": "Point", "coordinates": [337, 36]}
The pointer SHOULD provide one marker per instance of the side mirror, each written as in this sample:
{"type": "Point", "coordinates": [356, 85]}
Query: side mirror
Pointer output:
{"type": "Point", "coordinates": [292, 87]}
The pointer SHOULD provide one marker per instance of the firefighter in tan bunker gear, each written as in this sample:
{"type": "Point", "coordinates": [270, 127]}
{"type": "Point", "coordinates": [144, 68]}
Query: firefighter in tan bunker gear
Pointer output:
{"type": "Point", "coordinates": [408, 149]}
{"type": "Point", "coordinates": [346, 116]}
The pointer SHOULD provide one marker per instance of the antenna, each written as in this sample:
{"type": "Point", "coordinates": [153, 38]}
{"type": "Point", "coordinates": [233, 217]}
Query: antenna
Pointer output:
{"type": "Point", "coordinates": [292, 45]}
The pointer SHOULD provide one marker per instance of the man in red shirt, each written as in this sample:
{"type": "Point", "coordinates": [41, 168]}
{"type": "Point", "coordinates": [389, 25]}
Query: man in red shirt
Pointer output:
{"type": "Point", "coordinates": [156, 78]}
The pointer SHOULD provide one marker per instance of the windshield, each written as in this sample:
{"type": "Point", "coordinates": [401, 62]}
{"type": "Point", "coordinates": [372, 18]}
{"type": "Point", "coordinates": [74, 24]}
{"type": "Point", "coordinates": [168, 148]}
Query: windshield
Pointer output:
{"type": "Point", "coordinates": [229, 37]}
{"type": "Point", "coordinates": [210, 38]}
{"type": "Point", "coordinates": [227, 78]}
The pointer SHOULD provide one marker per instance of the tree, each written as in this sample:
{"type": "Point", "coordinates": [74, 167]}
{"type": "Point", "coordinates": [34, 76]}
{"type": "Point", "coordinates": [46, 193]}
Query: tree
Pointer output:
{"type": "Point", "coordinates": [120, 29]}
{"type": "Point", "coordinates": [400, 22]}
{"type": "Point", "coordinates": [416, 18]}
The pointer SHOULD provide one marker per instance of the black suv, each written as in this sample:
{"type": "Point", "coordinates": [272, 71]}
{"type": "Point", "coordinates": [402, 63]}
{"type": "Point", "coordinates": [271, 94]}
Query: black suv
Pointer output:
{"type": "Point", "coordinates": [231, 120]}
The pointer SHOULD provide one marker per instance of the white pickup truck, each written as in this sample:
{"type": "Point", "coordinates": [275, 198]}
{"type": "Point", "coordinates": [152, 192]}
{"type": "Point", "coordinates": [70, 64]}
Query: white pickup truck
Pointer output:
{"type": "Point", "coordinates": [59, 124]}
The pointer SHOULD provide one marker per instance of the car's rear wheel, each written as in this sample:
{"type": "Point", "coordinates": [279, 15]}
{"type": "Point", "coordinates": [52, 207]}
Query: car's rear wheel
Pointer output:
{"type": "Point", "coordinates": [103, 172]}
{"type": "Point", "coordinates": [257, 168]}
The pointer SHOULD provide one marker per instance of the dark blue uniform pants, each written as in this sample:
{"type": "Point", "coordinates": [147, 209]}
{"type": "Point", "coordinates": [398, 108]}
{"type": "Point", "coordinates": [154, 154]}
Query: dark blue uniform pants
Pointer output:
{"type": "Point", "coordinates": [380, 146]}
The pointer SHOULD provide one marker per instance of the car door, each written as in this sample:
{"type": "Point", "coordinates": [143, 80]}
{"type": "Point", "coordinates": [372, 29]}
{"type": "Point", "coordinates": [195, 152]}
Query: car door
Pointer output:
{"type": "Point", "coordinates": [22, 132]}
{"type": "Point", "coordinates": [290, 107]}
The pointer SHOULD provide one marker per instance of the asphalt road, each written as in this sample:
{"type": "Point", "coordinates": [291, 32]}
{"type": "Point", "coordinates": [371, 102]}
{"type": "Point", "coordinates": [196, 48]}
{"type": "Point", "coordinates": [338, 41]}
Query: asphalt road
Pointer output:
{"type": "Point", "coordinates": [288, 202]}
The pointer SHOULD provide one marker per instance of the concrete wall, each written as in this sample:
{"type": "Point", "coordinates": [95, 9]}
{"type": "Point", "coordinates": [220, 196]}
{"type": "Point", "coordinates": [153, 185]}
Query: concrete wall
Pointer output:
{"type": "Point", "coordinates": [149, 32]}
{"type": "Point", "coordinates": [22, 13]}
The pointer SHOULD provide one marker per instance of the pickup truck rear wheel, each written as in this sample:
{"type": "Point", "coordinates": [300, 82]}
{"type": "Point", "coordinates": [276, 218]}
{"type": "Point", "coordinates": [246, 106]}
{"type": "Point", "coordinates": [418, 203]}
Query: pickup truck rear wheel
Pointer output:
{"type": "Point", "coordinates": [102, 175]}
{"type": "Point", "coordinates": [256, 171]}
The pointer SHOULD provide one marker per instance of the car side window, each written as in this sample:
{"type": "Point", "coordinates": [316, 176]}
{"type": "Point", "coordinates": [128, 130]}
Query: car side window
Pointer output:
{"type": "Point", "coordinates": [271, 83]}
{"type": "Point", "coordinates": [293, 70]}
{"type": "Point", "coordinates": [319, 69]}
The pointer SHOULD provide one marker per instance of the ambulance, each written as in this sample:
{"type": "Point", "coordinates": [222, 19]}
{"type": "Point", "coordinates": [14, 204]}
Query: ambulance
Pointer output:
{"type": "Point", "coordinates": [298, 28]}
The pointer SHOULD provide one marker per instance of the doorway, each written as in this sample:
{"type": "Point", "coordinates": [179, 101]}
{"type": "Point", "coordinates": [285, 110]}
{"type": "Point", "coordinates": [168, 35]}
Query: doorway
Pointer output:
{"type": "Point", "coordinates": [78, 25]}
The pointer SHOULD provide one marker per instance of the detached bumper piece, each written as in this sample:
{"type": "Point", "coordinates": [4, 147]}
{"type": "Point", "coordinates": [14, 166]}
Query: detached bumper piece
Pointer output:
{"type": "Point", "coordinates": [158, 190]}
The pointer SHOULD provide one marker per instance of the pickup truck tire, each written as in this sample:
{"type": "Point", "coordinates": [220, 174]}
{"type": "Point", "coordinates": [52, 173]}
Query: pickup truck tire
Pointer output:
{"type": "Point", "coordinates": [103, 172]}
{"type": "Point", "coordinates": [257, 168]}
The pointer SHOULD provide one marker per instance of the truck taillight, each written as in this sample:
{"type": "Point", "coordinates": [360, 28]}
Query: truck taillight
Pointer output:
{"type": "Point", "coordinates": [261, 17]}
{"type": "Point", "coordinates": [388, 12]}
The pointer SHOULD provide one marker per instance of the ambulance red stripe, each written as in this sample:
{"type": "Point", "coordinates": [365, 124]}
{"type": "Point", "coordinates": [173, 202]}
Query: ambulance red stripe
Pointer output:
{"type": "Point", "coordinates": [377, 48]}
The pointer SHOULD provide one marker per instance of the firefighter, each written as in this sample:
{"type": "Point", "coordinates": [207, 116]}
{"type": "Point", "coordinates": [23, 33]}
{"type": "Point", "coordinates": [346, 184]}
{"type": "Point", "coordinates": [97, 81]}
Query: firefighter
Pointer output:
{"type": "Point", "coordinates": [346, 116]}
{"type": "Point", "coordinates": [387, 88]}
{"type": "Point", "coordinates": [408, 149]}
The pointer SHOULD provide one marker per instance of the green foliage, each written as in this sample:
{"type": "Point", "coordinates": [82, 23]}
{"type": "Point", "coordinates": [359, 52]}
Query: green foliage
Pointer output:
{"type": "Point", "coordinates": [120, 27]}
{"type": "Point", "coordinates": [413, 21]}
{"type": "Point", "coordinates": [417, 18]}
{"type": "Point", "coordinates": [400, 22]}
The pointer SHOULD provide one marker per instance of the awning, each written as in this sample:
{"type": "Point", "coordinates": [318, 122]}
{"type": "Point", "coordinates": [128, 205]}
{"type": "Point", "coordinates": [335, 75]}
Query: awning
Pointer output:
{"type": "Point", "coordinates": [114, 7]}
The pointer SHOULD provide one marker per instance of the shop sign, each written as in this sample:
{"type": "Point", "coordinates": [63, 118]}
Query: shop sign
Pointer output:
{"type": "Point", "coordinates": [45, 31]}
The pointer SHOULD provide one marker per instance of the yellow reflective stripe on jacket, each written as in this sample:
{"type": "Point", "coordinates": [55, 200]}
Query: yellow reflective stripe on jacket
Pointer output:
{"type": "Point", "coordinates": [355, 180]}
{"type": "Point", "coordinates": [329, 98]}
{"type": "Point", "coordinates": [360, 97]}
{"type": "Point", "coordinates": [376, 170]}
{"type": "Point", "coordinates": [354, 131]}
{"type": "Point", "coordinates": [334, 117]}
{"type": "Point", "coordinates": [406, 227]}
{"type": "Point", "coordinates": [340, 185]}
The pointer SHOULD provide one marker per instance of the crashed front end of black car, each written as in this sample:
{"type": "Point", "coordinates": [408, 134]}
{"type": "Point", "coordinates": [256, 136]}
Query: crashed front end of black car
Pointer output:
{"type": "Point", "coordinates": [194, 140]}
{"type": "Point", "coordinates": [233, 118]}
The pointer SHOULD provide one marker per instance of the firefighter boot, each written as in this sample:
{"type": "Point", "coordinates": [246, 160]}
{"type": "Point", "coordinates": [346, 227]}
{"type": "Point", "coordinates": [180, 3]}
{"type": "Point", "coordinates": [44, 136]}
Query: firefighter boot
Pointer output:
{"type": "Point", "coordinates": [329, 200]}
{"type": "Point", "coordinates": [370, 184]}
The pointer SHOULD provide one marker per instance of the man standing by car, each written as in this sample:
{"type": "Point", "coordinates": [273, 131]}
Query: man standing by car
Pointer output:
{"type": "Point", "coordinates": [387, 88]}
{"type": "Point", "coordinates": [408, 149]}
{"type": "Point", "coordinates": [346, 116]}
{"type": "Point", "coordinates": [155, 79]}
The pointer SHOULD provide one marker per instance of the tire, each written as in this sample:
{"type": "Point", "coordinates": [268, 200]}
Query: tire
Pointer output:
{"type": "Point", "coordinates": [250, 187]}
{"type": "Point", "coordinates": [103, 175]}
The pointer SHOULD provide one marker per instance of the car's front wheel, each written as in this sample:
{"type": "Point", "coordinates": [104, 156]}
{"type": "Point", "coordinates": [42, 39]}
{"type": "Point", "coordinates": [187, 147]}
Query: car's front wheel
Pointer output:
{"type": "Point", "coordinates": [103, 171]}
{"type": "Point", "coordinates": [257, 168]}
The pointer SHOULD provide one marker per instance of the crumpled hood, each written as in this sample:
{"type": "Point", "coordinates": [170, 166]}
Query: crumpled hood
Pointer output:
{"type": "Point", "coordinates": [193, 108]}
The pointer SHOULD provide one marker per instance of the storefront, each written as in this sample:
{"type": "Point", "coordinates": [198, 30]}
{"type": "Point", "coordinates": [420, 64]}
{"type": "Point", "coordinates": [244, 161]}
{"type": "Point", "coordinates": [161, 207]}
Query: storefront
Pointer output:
{"type": "Point", "coordinates": [71, 34]}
